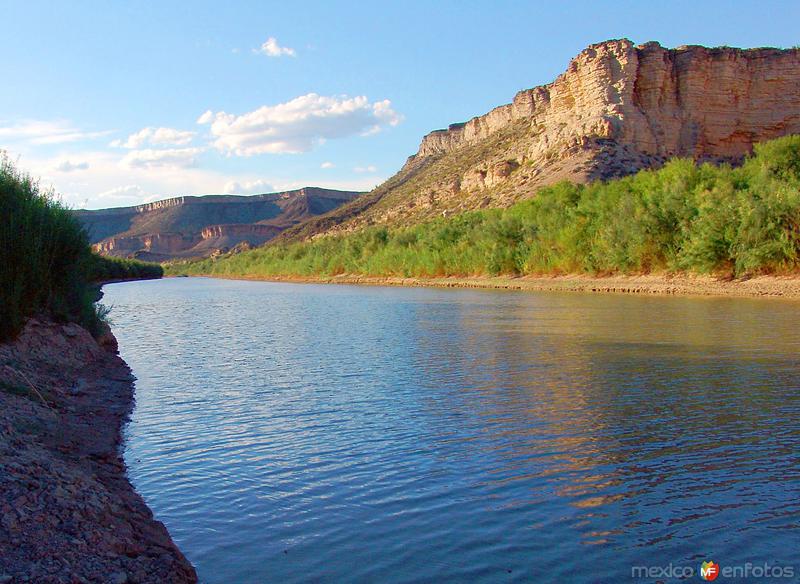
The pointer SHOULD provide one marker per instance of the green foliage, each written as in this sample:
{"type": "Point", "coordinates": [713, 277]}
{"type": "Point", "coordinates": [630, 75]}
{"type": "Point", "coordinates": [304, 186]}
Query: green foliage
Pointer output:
{"type": "Point", "coordinates": [45, 260]}
{"type": "Point", "coordinates": [682, 217]}
{"type": "Point", "coordinates": [107, 269]}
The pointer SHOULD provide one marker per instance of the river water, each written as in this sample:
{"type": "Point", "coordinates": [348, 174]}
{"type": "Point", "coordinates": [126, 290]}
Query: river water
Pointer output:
{"type": "Point", "coordinates": [293, 433]}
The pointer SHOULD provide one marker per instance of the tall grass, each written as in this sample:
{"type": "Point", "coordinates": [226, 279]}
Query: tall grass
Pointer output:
{"type": "Point", "coordinates": [682, 217]}
{"type": "Point", "coordinates": [46, 265]}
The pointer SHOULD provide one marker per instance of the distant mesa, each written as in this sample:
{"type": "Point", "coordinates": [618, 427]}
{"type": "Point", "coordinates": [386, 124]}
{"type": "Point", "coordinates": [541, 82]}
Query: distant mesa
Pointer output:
{"type": "Point", "coordinates": [202, 226]}
{"type": "Point", "coordinates": [618, 108]}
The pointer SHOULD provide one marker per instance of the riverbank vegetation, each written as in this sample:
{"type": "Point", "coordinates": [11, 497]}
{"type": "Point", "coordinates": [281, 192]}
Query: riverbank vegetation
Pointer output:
{"type": "Point", "coordinates": [681, 218]}
{"type": "Point", "coordinates": [46, 263]}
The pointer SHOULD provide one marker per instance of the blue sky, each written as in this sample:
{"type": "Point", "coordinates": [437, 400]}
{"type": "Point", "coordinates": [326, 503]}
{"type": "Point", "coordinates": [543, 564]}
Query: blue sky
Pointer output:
{"type": "Point", "coordinates": [116, 103]}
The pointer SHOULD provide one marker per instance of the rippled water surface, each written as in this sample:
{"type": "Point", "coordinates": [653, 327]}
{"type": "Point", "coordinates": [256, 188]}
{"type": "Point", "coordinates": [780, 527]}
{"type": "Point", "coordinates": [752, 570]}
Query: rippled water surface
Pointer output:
{"type": "Point", "coordinates": [289, 433]}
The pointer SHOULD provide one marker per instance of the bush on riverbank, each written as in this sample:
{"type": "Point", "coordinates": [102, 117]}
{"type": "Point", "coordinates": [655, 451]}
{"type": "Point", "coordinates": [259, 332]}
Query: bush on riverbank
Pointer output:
{"type": "Point", "coordinates": [107, 269]}
{"type": "Point", "coordinates": [46, 264]}
{"type": "Point", "coordinates": [682, 217]}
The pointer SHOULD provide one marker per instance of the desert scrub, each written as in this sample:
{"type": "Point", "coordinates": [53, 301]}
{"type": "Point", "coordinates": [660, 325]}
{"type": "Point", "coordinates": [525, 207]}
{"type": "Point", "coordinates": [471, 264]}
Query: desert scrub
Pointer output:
{"type": "Point", "coordinates": [683, 217]}
{"type": "Point", "coordinates": [46, 264]}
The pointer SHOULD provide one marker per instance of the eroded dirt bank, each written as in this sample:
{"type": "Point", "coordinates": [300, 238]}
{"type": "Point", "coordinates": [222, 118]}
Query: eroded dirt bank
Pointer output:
{"type": "Point", "coordinates": [67, 511]}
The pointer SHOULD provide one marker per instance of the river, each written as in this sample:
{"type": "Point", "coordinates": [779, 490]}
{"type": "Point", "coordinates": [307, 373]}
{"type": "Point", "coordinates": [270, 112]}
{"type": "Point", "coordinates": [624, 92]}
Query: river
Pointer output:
{"type": "Point", "coordinates": [298, 432]}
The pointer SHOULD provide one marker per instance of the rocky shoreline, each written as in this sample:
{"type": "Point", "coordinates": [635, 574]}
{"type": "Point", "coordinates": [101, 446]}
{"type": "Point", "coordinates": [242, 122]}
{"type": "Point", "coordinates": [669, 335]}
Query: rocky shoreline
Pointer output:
{"type": "Point", "coordinates": [68, 513]}
{"type": "Point", "coordinates": [787, 287]}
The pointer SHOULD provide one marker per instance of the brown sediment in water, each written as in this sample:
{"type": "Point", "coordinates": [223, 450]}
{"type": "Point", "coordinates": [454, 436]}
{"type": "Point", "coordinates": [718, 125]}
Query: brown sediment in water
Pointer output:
{"type": "Point", "coordinates": [67, 510]}
{"type": "Point", "coordinates": [649, 284]}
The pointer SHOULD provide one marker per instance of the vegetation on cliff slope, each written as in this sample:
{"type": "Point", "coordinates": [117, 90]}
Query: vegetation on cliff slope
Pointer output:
{"type": "Point", "coordinates": [46, 265]}
{"type": "Point", "coordinates": [682, 217]}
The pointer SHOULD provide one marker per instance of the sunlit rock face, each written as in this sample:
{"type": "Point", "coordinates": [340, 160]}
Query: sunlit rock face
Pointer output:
{"type": "Point", "coordinates": [691, 101]}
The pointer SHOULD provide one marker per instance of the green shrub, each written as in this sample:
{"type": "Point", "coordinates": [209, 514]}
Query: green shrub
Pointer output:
{"type": "Point", "coordinates": [46, 265]}
{"type": "Point", "coordinates": [106, 269]}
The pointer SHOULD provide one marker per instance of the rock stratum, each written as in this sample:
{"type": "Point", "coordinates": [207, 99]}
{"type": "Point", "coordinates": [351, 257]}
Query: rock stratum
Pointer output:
{"type": "Point", "coordinates": [618, 108]}
{"type": "Point", "coordinates": [189, 227]}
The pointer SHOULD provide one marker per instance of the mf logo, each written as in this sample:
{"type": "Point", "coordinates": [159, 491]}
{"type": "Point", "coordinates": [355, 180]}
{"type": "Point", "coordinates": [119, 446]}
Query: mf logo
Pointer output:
{"type": "Point", "coordinates": [709, 570]}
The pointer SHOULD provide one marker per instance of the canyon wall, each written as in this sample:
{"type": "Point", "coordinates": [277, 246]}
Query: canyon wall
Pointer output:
{"type": "Point", "coordinates": [200, 226]}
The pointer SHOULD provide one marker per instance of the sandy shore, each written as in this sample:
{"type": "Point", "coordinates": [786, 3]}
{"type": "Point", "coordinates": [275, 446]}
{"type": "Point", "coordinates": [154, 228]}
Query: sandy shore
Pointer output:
{"type": "Point", "coordinates": [68, 513]}
{"type": "Point", "coordinates": [683, 285]}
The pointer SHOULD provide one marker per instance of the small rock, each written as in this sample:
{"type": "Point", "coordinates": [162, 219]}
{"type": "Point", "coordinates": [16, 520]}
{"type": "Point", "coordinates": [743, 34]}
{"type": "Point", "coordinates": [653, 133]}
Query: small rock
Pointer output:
{"type": "Point", "coordinates": [5, 578]}
{"type": "Point", "coordinates": [78, 388]}
{"type": "Point", "coordinates": [119, 578]}
{"type": "Point", "coordinates": [71, 331]}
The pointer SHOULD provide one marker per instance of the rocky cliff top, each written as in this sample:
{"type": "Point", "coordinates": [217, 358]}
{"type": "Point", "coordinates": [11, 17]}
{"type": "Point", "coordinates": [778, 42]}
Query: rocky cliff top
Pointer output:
{"type": "Point", "coordinates": [213, 199]}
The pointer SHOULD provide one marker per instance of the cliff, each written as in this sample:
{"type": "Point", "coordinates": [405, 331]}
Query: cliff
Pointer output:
{"type": "Point", "coordinates": [617, 108]}
{"type": "Point", "coordinates": [691, 101]}
{"type": "Point", "coordinates": [198, 226]}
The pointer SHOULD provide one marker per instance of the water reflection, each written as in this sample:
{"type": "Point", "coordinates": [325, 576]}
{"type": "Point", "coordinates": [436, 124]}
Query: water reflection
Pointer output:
{"type": "Point", "coordinates": [289, 432]}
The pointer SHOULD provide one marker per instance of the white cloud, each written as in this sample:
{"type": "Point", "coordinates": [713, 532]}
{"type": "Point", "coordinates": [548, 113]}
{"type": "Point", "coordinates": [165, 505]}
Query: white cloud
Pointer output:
{"type": "Point", "coordinates": [109, 183]}
{"type": "Point", "coordinates": [385, 114]}
{"type": "Point", "coordinates": [295, 126]}
{"type": "Point", "coordinates": [171, 157]}
{"type": "Point", "coordinates": [46, 132]}
{"type": "Point", "coordinates": [370, 169]}
{"type": "Point", "coordinates": [248, 187]}
{"type": "Point", "coordinates": [68, 166]}
{"type": "Point", "coordinates": [126, 192]}
{"type": "Point", "coordinates": [327, 165]}
{"type": "Point", "coordinates": [117, 182]}
{"type": "Point", "coordinates": [206, 118]}
{"type": "Point", "coordinates": [271, 48]}
{"type": "Point", "coordinates": [156, 137]}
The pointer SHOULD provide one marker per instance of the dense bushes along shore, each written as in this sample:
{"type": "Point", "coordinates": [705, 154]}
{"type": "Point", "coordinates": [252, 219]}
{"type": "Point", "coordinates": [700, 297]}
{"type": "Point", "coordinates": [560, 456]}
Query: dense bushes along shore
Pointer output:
{"type": "Point", "coordinates": [682, 217]}
{"type": "Point", "coordinates": [46, 264]}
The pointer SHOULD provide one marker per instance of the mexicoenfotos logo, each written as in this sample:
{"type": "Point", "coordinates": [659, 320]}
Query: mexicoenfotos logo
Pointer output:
{"type": "Point", "coordinates": [709, 570]}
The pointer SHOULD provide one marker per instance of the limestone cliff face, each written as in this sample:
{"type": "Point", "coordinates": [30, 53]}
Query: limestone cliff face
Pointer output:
{"type": "Point", "coordinates": [165, 204]}
{"type": "Point", "coordinates": [239, 230]}
{"type": "Point", "coordinates": [690, 101]}
{"type": "Point", "coordinates": [160, 243]}
{"type": "Point", "coordinates": [221, 238]}
{"type": "Point", "coordinates": [617, 108]}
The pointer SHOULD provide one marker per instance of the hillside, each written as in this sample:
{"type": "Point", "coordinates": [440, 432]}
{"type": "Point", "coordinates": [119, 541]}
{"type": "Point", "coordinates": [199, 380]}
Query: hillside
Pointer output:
{"type": "Point", "coordinates": [618, 108]}
{"type": "Point", "coordinates": [700, 219]}
{"type": "Point", "coordinates": [200, 226]}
